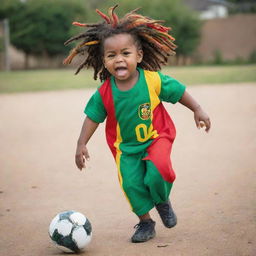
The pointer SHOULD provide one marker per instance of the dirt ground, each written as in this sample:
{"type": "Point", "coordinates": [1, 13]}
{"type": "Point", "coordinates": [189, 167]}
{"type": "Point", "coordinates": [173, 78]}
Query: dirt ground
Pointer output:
{"type": "Point", "coordinates": [213, 196]}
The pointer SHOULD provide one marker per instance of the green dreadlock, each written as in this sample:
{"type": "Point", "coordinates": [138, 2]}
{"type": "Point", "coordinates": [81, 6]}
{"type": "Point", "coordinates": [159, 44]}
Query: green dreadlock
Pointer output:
{"type": "Point", "coordinates": [157, 45]}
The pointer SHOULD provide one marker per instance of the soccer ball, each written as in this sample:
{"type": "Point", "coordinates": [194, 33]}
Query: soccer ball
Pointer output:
{"type": "Point", "coordinates": [71, 231]}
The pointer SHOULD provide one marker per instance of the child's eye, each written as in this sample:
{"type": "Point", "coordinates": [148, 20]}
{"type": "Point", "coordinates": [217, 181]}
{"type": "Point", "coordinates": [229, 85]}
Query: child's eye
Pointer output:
{"type": "Point", "coordinates": [110, 55]}
{"type": "Point", "coordinates": [126, 53]}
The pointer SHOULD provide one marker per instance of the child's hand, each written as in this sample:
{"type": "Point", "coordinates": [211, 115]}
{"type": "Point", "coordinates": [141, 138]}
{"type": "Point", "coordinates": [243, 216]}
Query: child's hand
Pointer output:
{"type": "Point", "coordinates": [202, 119]}
{"type": "Point", "coordinates": [81, 155]}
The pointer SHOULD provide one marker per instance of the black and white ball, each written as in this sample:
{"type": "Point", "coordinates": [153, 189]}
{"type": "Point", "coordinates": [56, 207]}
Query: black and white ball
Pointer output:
{"type": "Point", "coordinates": [71, 231]}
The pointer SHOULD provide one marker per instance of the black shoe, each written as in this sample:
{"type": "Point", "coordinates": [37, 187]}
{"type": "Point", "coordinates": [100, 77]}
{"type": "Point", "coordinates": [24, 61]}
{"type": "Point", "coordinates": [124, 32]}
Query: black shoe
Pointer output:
{"type": "Point", "coordinates": [145, 230]}
{"type": "Point", "coordinates": [167, 214]}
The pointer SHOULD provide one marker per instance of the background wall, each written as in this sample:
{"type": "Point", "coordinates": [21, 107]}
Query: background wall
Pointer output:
{"type": "Point", "coordinates": [234, 37]}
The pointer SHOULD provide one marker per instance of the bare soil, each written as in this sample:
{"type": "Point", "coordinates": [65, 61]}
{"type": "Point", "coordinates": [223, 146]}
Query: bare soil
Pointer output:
{"type": "Point", "coordinates": [213, 195]}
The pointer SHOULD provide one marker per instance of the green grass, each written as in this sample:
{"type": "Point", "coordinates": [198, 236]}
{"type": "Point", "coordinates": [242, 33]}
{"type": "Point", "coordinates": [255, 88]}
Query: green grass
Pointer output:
{"type": "Point", "coordinates": [195, 75]}
{"type": "Point", "coordinates": [44, 80]}
{"type": "Point", "coordinates": [63, 79]}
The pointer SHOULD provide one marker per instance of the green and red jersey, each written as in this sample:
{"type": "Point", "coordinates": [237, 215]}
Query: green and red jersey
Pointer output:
{"type": "Point", "coordinates": [137, 117]}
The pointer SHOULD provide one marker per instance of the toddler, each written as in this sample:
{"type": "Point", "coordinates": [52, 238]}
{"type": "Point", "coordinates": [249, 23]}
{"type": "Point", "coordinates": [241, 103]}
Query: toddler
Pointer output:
{"type": "Point", "coordinates": [126, 55]}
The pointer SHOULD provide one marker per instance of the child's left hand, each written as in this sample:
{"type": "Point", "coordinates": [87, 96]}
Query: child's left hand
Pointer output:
{"type": "Point", "coordinates": [202, 119]}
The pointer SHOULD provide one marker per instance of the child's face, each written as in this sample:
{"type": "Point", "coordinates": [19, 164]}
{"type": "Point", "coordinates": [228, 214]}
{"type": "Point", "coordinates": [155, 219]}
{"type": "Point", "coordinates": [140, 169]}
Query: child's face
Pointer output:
{"type": "Point", "coordinates": [121, 56]}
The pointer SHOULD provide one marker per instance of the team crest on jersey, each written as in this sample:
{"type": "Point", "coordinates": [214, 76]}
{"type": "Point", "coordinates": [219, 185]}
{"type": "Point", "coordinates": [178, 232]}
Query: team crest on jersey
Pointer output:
{"type": "Point", "coordinates": [144, 111]}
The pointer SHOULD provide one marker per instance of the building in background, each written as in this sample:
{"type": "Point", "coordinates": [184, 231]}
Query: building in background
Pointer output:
{"type": "Point", "coordinates": [209, 9]}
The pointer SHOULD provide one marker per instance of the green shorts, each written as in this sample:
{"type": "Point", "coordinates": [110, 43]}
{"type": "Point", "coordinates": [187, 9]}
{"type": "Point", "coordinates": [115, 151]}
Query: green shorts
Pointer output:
{"type": "Point", "coordinates": [142, 182]}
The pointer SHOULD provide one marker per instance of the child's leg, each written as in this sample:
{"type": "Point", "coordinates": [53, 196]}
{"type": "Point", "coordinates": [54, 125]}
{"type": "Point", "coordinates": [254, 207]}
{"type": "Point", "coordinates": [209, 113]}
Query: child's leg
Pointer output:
{"type": "Point", "coordinates": [159, 179]}
{"type": "Point", "coordinates": [160, 191]}
{"type": "Point", "coordinates": [159, 188]}
{"type": "Point", "coordinates": [159, 175]}
{"type": "Point", "coordinates": [131, 177]}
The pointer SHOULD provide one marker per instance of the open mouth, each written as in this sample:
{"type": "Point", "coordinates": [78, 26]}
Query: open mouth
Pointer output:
{"type": "Point", "coordinates": [120, 68]}
{"type": "Point", "coordinates": [121, 71]}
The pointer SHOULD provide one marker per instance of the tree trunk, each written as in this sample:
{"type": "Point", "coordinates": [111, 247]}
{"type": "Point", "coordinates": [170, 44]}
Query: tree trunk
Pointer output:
{"type": "Point", "coordinates": [177, 60]}
{"type": "Point", "coordinates": [26, 60]}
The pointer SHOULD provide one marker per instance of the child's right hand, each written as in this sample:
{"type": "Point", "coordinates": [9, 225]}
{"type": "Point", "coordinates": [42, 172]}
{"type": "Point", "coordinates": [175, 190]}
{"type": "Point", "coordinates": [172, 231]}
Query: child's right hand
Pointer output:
{"type": "Point", "coordinates": [81, 155]}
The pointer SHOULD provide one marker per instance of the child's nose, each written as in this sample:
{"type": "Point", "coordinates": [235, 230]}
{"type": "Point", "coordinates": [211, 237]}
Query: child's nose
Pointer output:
{"type": "Point", "coordinates": [119, 58]}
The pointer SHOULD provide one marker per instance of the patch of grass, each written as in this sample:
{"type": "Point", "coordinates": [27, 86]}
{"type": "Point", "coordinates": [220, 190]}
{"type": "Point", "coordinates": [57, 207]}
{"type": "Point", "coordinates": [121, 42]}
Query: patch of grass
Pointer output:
{"type": "Point", "coordinates": [63, 79]}
{"type": "Point", "coordinates": [196, 75]}
{"type": "Point", "coordinates": [44, 80]}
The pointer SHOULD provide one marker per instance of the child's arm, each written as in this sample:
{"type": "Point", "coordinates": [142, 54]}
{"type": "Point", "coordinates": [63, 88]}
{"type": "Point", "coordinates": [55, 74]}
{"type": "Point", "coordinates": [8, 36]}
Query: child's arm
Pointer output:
{"type": "Point", "coordinates": [199, 115]}
{"type": "Point", "coordinates": [87, 131]}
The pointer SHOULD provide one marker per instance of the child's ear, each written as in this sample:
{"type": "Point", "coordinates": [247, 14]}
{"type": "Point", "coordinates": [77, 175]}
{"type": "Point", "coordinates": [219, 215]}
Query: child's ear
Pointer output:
{"type": "Point", "coordinates": [140, 55]}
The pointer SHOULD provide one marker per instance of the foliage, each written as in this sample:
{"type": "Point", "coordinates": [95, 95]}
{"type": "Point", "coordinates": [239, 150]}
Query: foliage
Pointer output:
{"type": "Point", "coordinates": [1, 44]}
{"type": "Point", "coordinates": [218, 59]}
{"type": "Point", "coordinates": [252, 58]}
{"type": "Point", "coordinates": [8, 8]}
{"type": "Point", "coordinates": [41, 27]}
{"type": "Point", "coordinates": [242, 6]}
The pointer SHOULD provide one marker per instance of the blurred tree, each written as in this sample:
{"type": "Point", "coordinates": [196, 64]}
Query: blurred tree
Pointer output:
{"type": "Point", "coordinates": [1, 44]}
{"type": "Point", "coordinates": [41, 27]}
{"type": "Point", "coordinates": [9, 7]}
{"type": "Point", "coordinates": [95, 3]}
{"type": "Point", "coordinates": [241, 1]}
{"type": "Point", "coordinates": [186, 26]}
{"type": "Point", "coordinates": [243, 6]}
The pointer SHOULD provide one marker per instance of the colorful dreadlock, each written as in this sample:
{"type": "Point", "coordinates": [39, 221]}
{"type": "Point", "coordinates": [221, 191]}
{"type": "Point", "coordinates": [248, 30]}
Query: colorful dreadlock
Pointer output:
{"type": "Point", "coordinates": [153, 38]}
